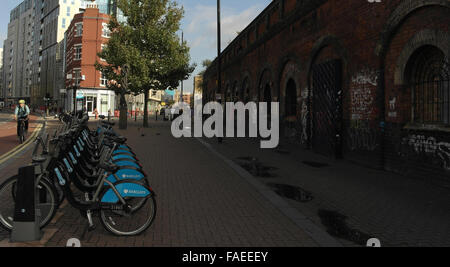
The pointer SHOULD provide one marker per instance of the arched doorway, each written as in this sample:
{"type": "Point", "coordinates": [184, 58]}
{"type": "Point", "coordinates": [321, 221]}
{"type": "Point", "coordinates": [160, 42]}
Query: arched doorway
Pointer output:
{"type": "Point", "coordinates": [268, 98]}
{"type": "Point", "coordinates": [291, 99]}
{"type": "Point", "coordinates": [327, 117]}
{"type": "Point", "coordinates": [428, 77]}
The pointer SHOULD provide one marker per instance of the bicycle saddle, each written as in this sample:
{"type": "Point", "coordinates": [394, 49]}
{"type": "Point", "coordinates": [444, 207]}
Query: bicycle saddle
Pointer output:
{"type": "Point", "coordinates": [120, 140]}
{"type": "Point", "coordinates": [109, 123]}
{"type": "Point", "coordinates": [39, 159]}
{"type": "Point", "coordinates": [109, 167]}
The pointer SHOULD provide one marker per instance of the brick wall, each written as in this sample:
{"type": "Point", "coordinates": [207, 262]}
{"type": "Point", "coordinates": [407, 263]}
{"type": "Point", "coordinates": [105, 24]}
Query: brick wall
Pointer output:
{"type": "Point", "coordinates": [374, 42]}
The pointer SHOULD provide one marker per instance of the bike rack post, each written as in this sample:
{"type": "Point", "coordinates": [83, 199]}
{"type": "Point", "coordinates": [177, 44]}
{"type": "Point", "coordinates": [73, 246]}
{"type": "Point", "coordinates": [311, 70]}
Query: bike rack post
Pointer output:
{"type": "Point", "coordinates": [26, 225]}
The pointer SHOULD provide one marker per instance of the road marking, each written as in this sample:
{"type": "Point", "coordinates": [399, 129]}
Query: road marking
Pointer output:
{"type": "Point", "coordinates": [21, 147]}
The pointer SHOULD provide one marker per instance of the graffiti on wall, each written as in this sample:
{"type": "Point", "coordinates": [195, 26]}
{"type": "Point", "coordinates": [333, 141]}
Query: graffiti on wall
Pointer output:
{"type": "Point", "coordinates": [432, 150]}
{"type": "Point", "coordinates": [361, 136]}
{"type": "Point", "coordinates": [366, 76]}
{"type": "Point", "coordinates": [392, 107]}
{"type": "Point", "coordinates": [363, 88]}
{"type": "Point", "coordinates": [304, 117]}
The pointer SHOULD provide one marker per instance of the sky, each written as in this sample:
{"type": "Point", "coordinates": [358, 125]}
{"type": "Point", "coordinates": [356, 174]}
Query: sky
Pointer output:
{"type": "Point", "coordinates": [199, 25]}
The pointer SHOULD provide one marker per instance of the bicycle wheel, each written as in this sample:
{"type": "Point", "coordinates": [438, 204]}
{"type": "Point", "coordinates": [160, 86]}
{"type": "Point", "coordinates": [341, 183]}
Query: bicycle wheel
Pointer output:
{"type": "Point", "coordinates": [121, 223]}
{"type": "Point", "coordinates": [47, 203]}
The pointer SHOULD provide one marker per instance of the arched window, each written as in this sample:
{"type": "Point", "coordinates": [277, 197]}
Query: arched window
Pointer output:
{"type": "Point", "coordinates": [228, 94]}
{"type": "Point", "coordinates": [428, 74]}
{"type": "Point", "coordinates": [291, 98]}
{"type": "Point", "coordinates": [268, 99]}
{"type": "Point", "coordinates": [246, 91]}
{"type": "Point", "coordinates": [236, 93]}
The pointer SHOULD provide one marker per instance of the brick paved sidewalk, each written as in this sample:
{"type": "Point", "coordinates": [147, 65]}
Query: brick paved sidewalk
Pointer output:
{"type": "Point", "coordinates": [201, 201]}
{"type": "Point", "coordinates": [348, 200]}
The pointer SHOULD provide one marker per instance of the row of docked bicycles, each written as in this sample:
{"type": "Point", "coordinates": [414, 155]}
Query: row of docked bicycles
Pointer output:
{"type": "Point", "coordinates": [96, 171]}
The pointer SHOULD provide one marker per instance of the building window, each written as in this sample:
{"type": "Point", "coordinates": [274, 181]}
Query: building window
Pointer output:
{"type": "Point", "coordinates": [429, 79]}
{"type": "Point", "coordinates": [78, 29]}
{"type": "Point", "coordinates": [77, 76]}
{"type": "Point", "coordinates": [105, 30]}
{"type": "Point", "coordinates": [103, 47]}
{"type": "Point", "coordinates": [103, 80]}
{"type": "Point", "coordinates": [78, 52]}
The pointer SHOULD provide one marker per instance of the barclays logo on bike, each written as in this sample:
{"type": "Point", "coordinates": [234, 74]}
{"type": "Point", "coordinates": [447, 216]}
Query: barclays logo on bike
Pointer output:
{"type": "Point", "coordinates": [126, 191]}
{"type": "Point", "coordinates": [130, 176]}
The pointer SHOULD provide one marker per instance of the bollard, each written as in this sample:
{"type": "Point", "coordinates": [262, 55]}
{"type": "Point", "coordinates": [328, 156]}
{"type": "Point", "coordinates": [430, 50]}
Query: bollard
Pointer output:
{"type": "Point", "coordinates": [26, 216]}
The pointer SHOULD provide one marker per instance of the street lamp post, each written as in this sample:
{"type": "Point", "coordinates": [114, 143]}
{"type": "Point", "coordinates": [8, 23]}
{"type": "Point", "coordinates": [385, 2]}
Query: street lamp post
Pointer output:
{"type": "Point", "coordinates": [182, 91]}
{"type": "Point", "coordinates": [219, 63]}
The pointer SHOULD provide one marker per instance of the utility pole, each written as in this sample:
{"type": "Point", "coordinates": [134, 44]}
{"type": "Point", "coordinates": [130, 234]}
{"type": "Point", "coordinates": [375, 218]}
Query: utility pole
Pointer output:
{"type": "Point", "coordinates": [182, 90]}
{"type": "Point", "coordinates": [219, 63]}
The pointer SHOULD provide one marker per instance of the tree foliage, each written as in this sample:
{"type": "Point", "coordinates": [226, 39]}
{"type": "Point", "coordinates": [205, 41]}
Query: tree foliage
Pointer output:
{"type": "Point", "coordinates": [149, 46]}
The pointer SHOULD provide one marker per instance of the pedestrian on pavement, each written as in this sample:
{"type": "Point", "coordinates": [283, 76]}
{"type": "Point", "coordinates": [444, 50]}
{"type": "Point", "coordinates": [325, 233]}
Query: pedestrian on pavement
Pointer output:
{"type": "Point", "coordinates": [96, 114]}
{"type": "Point", "coordinates": [22, 111]}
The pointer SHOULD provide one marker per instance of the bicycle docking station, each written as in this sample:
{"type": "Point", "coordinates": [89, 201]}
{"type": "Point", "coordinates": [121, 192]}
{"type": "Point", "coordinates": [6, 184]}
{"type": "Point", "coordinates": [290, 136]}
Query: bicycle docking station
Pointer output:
{"type": "Point", "coordinates": [26, 224]}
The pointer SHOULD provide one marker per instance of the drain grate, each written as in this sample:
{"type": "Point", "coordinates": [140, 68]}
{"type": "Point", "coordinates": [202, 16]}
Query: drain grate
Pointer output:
{"type": "Point", "coordinates": [336, 226]}
{"type": "Point", "coordinates": [316, 164]}
{"type": "Point", "coordinates": [292, 192]}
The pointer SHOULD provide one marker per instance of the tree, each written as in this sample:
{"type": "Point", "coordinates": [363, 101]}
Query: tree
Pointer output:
{"type": "Point", "coordinates": [162, 61]}
{"type": "Point", "coordinates": [205, 63]}
{"type": "Point", "coordinates": [118, 54]}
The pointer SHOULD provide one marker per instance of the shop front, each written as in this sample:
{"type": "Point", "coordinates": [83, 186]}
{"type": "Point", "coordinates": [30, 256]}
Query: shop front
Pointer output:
{"type": "Point", "coordinates": [94, 101]}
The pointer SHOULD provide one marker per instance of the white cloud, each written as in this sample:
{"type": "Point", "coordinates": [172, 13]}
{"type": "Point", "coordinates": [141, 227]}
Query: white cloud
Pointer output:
{"type": "Point", "coordinates": [204, 24]}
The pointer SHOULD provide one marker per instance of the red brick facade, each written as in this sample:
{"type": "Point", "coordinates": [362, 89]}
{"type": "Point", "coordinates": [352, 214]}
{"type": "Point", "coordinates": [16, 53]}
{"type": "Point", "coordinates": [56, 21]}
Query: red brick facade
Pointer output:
{"type": "Point", "coordinates": [348, 66]}
{"type": "Point", "coordinates": [90, 41]}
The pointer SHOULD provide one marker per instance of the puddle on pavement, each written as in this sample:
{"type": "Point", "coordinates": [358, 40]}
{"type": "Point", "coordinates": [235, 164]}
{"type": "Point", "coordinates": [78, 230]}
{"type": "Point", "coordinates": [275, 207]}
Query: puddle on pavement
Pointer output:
{"type": "Point", "coordinates": [282, 152]}
{"type": "Point", "coordinates": [337, 227]}
{"type": "Point", "coordinates": [292, 192]}
{"type": "Point", "coordinates": [315, 164]}
{"type": "Point", "coordinates": [255, 167]}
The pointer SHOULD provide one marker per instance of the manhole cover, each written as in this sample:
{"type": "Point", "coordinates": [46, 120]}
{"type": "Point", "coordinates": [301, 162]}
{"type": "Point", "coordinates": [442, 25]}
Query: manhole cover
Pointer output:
{"type": "Point", "coordinates": [336, 226]}
{"type": "Point", "coordinates": [316, 164]}
{"type": "Point", "coordinates": [292, 192]}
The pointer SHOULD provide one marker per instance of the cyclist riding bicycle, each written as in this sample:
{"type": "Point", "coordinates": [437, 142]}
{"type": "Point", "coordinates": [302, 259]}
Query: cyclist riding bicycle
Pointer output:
{"type": "Point", "coordinates": [21, 113]}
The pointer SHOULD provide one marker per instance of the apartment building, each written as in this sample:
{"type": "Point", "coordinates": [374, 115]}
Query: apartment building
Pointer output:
{"type": "Point", "coordinates": [86, 36]}
{"type": "Point", "coordinates": [18, 53]}
{"type": "Point", "coordinates": [2, 93]}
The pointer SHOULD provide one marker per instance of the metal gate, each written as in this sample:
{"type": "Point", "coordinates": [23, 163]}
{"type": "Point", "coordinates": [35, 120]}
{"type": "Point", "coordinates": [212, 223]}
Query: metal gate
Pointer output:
{"type": "Point", "coordinates": [429, 78]}
{"type": "Point", "coordinates": [327, 108]}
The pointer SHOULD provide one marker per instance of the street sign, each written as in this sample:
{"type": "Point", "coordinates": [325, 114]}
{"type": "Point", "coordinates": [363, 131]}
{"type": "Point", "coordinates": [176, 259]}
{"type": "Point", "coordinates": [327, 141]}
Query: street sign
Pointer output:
{"type": "Point", "coordinates": [80, 95]}
{"type": "Point", "coordinates": [218, 96]}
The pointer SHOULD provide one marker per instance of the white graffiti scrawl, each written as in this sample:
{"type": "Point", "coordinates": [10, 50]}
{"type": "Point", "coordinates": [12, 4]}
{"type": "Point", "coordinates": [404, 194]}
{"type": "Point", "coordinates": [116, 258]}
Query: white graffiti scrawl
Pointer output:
{"type": "Point", "coordinates": [430, 146]}
{"type": "Point", "coordinates": [362, 94]}
{"type": "Point", "coordinates": [366, 76]}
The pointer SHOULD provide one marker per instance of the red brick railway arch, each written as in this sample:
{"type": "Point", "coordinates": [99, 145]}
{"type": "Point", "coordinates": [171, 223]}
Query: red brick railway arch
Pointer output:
{"type": "Point", "coordinates": [245, 87]}
{"type": "Point", "coordinates": [266, 84]}
{"type": "Point", "coordinates": [326, 49]}
{"type": "Point", "coordinates": [393, 88]}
